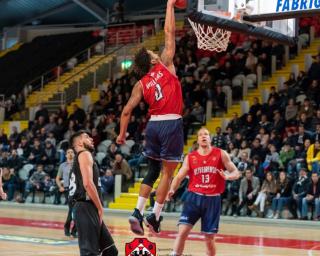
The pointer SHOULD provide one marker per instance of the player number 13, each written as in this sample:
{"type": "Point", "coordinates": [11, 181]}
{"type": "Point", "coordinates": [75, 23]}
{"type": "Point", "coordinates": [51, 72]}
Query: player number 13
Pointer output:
{"type": "Point", "coordinates": [205, 178]}
{"type": "Point", "coordinates": [158, 92]}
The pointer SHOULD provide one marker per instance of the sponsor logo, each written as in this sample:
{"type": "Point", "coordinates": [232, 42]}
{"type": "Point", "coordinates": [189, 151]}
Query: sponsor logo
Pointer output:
{"type": "Point", "coordinates": [140, 247]}
{"type": "Point", "coordinates": [297, 5]}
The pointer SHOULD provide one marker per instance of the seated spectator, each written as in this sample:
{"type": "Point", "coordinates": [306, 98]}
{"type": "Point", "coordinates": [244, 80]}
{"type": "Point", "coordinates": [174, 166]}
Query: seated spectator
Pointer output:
{"type": "Point", "coordinates": [37, 154]}
{"type": "Point", "coordinates": [15, 162]}
{"type": "Point", "coordinates": [108, 160]}
{"type": "Point", "coordinates": [244, 162]}
{"type": "Point", "coordinates": [257, 150]}
{"type": "Point", "coordinates": [219, 97]}
{"type": "Point", "coordinates": [78, 115]}
{"type": "Point", "coordinates": [96, 137]}
{"type": "Point", "coordinates": [266, 194]}
{"type": "Point", "coordinates": [313, 157]}
{"type": "Point", "coordinates": [313, 93]}
{"type": "Point", "coordinates": [315, 121]}
{"type": "Point", "coordinates": [107, 182]}
{"type": "Point", "coordinates": [229, 136]}
{"type": "Point", "coordinates": [283, 195]}
{"type": "Point", "coordinates": [301, 136]}
{"type": "Point", "coordinates": [249, 188]}
{"type": "Point", "coordinates": [275, 139]}
{"type": "Point", "coordinates": [9, 182]}
{"type": "Point", "coordinates": [291, 112]}
{"type": "Point", "coordinates": [263, 136]}
{"type": "Point", "coordinates": [305, 122]}
{"type": "Point", "coordinates": [14, 134]}
{"type": "Point", "coordinates": [264, 123]}
{"type": "Point", "coordinates": [271, 161]}
{"type": "Point", "coordinates": [278, 122]}
{"type": "Point", "coordinates": [255, 107]}
{"type": "Point", "coordinates": [299, 191]}
{"type": "Point", "coordinates": [232, 196]}
{"type": "Point", "coordinates": [313, 192]}
{"type": "Point", "coordinates": [306, 108]}
{"type": "Point", "coordinates": [232, 151]}
{"type": "Point", "coordinates": [218, 139]}
{"type": "Point", "coordinates": [3, 138]}
{"type": "Point", "coordinates": [249, 128]}
{"type": "Point", "coordinates": [48, 187]}
{"type": "Point", "coordinates": [257, 168]}
{"type": "Point", "coordinates": [35, 183]}
{"type": "Point", "coordinates": [197, 112]}
{"type": "Point", "coordinates": [286, 154]}
{"type": "Point", "coordinates": [299, 161]}
{"type": "Point", "coordinates": [235, 123]}
{"type": "Point", "coordinates": [49, 157]}
{"type": "Point", "coordinates": [316, 135]}
{"type": "Point", "coordinates": [121, 166]}
{"type": "Point", "coordinates": [244, 148]}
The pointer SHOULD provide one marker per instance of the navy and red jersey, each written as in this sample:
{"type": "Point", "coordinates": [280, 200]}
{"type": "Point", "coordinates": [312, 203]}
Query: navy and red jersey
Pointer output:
{"type": "Point", "coordinates": [162, 91]}
{"type": "Point", "coordinates": [203, 172]}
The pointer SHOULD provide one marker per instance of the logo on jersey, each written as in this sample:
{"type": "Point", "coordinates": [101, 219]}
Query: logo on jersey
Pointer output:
{"type": "Point", "coordinates": [140, 246]}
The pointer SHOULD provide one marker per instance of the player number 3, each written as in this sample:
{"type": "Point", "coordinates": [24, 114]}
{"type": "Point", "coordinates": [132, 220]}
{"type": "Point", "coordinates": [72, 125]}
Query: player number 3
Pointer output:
{"type": "Point", "coordinates": [158, 92]}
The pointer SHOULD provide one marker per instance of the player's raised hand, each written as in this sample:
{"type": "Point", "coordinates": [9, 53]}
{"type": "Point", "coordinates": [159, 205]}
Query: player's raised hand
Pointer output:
{"type": "Point", "coordinates": [120, 140]}
{"type": "Point", "coordinates": [172, 2]}
{"type": "Point", "coordinates": [170, 195]}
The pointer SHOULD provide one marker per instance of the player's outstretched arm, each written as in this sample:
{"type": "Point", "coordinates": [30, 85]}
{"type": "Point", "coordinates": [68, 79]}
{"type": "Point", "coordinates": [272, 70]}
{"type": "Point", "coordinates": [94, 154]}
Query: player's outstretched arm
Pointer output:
{"type": "Point", "coordinates": [86, 163]}
{"type": "Point", "coordinates": [183, 172]}
{"type": "Point", "coordinates": [134, 100]}
{"type": "Point", "coordinates": [233, 172]}
{"type": "Point", "coordinates": [170, 40]}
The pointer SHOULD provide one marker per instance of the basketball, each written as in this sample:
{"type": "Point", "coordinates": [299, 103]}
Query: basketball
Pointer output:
{"type": "Point", "coordinates": [181, 4]}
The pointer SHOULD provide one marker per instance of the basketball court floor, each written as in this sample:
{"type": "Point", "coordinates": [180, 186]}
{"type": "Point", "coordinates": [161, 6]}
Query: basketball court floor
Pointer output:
{"type": "Point", "coordinates": [38, 230]}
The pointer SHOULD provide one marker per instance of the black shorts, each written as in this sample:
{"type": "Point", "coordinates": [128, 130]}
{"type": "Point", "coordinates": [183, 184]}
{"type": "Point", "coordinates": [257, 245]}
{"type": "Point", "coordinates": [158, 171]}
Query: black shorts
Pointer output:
{"type": "Point", "coordinates": [93, 238]}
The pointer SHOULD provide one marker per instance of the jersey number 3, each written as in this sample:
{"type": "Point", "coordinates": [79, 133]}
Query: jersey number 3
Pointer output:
{"type": "Point", "coordinates": [158, 92]}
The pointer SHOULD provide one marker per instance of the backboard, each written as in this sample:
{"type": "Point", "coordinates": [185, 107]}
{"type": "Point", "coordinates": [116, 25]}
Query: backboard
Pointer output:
{"type": "Point", "coordinates": [240, 10]}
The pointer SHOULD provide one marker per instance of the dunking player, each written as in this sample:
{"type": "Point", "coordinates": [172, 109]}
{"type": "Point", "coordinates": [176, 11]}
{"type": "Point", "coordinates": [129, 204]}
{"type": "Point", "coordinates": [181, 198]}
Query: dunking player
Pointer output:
{"type": "Point", "coordinates": [161, 89]}
{"type": "Point", "coordinates": [207, 181]}
{"type": "Point", "coordinates": [94, 237]}
{"type": "Point", "coordinates": [3, 195]}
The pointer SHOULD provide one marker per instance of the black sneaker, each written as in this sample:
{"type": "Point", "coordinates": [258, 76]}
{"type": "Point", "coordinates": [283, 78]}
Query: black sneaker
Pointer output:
{"type": "Point", "coordinates": [66, 232]}
{"type": "Point", "coordinates": [152, 223]}
{"type": "Point", "coordinates": [136, 220]}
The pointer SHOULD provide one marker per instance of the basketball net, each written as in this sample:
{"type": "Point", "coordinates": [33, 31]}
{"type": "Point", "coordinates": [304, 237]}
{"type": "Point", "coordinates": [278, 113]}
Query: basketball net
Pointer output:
{"type": "Point", "coordinates": [210, 38]}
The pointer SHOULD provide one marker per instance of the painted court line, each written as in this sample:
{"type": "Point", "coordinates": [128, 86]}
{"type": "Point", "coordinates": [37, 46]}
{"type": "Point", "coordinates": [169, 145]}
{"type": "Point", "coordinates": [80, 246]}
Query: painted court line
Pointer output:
{"type": "Point", "coordinates": [309, 245]}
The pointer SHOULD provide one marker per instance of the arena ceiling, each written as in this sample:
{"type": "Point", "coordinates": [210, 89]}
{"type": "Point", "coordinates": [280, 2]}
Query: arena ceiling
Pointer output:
{"type": "Point", "coordinates": [47, 12]}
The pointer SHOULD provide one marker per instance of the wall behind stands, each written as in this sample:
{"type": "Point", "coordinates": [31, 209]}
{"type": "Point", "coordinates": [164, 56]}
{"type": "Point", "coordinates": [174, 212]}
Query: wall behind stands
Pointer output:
{"type": "Point", "coordinates": [27, 34]}
{"type": "Point", "coordinates": [138, 5]}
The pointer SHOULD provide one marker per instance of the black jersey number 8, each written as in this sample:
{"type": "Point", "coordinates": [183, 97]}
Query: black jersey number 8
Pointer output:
{"type": "Point", "coordinates": [158, 92]}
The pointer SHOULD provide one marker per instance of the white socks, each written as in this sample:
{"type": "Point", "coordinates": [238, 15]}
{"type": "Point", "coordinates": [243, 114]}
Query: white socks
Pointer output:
{"type": "Point", "coordinates": [157, 209]}
{"type": "Point", "coordinates": [141, 204]}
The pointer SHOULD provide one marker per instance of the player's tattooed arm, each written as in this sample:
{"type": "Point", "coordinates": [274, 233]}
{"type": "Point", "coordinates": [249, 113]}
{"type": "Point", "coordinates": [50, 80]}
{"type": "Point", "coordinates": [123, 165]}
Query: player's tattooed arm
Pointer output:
{"type": "Point", "coordinates": [232, 171]}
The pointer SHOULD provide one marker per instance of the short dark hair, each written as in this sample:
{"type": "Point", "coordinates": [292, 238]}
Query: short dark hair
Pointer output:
{"type": "Point", "coordinates": [74, 136]}
{"type": "Point", "coordinates": [142, 63]}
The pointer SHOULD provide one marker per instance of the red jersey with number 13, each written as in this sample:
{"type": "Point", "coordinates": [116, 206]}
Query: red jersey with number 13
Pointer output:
{"type": "Point", "coordinates": [162, 91]}
{"type": "Point", "coordinates": [203, 172]}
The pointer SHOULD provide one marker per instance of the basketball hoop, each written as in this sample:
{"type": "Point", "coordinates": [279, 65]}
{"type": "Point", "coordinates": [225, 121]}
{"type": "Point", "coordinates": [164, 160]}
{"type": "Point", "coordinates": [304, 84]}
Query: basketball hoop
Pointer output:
{"type": "Point", "coordinates": [210, 38]}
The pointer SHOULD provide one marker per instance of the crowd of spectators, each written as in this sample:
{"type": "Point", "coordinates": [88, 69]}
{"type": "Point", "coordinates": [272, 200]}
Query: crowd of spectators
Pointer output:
{"type": "Point", "coordinates": [275, 145]}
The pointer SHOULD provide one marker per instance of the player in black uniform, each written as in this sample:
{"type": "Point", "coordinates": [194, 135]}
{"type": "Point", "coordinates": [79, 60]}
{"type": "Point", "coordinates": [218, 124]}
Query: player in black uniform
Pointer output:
{"type": "Point", "coordinates": [94, 237]}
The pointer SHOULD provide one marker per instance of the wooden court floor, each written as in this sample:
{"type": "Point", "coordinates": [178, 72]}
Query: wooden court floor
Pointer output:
{"type": "Point", "coordinates": [30, 230]}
